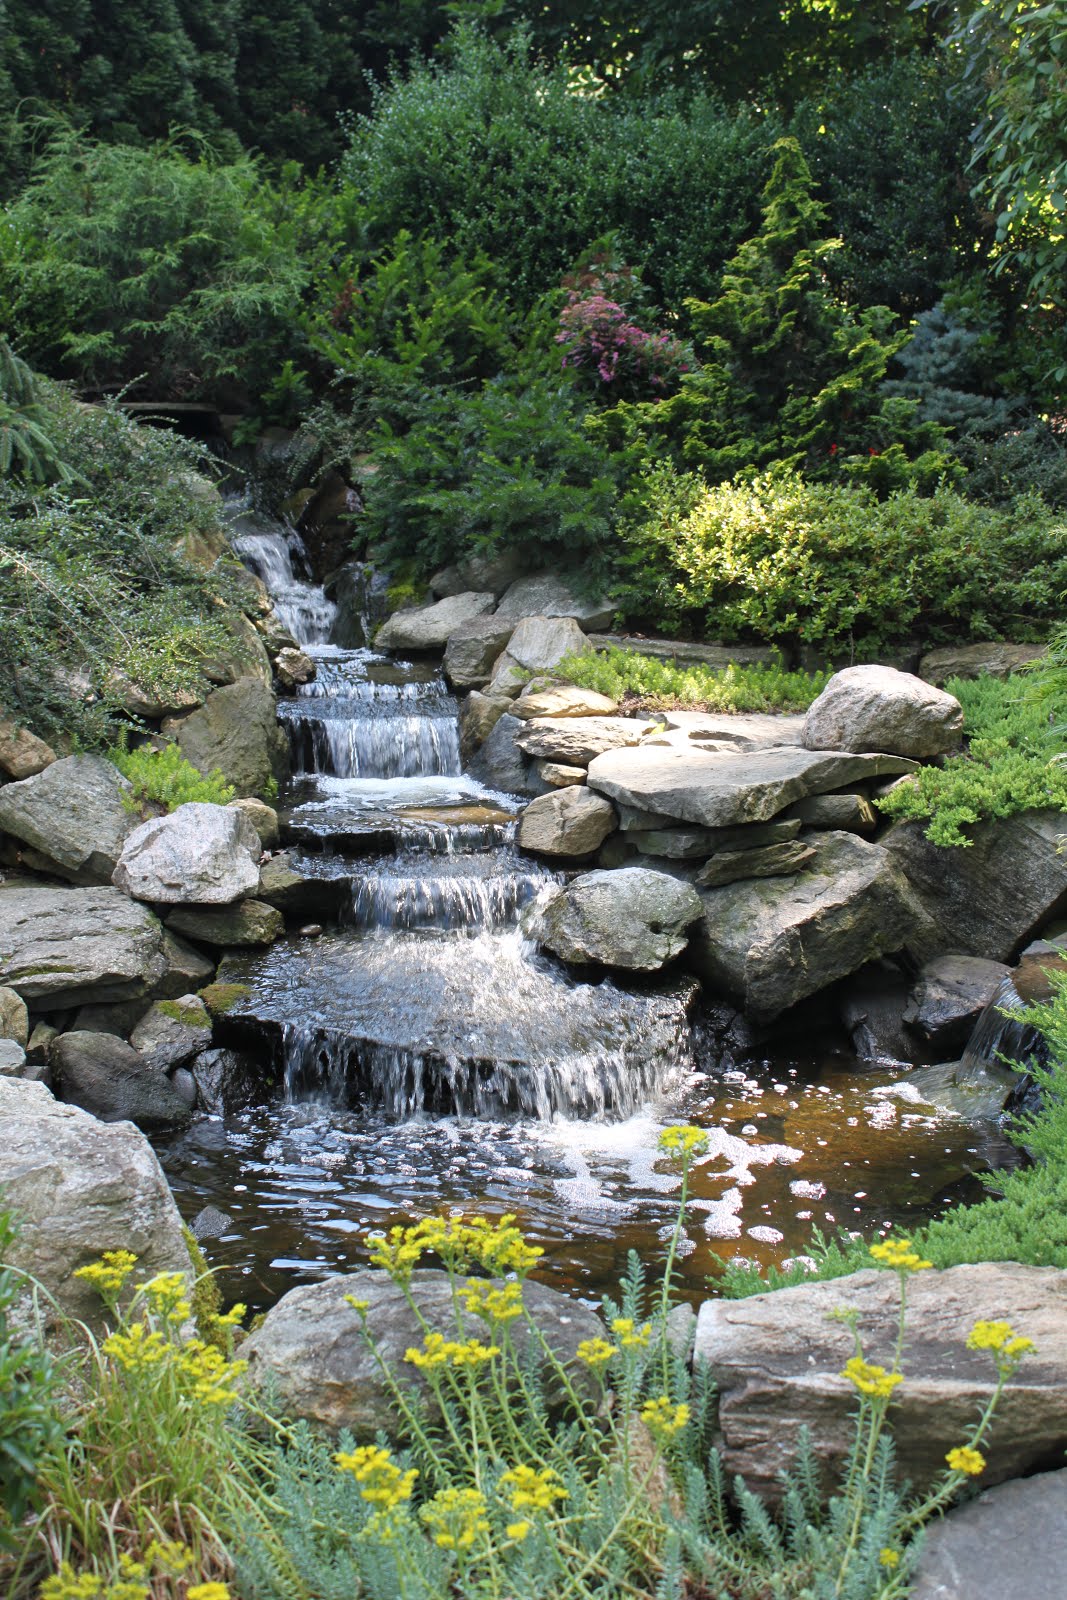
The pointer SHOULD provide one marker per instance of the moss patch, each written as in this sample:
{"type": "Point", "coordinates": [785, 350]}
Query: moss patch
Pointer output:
{"type": "Point", "coordinates": [220, 998]}
{"type": "Point", "coordinates": [190, 1016]}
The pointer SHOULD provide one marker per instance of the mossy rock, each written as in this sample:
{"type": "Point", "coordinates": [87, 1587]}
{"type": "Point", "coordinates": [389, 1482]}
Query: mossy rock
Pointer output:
{"type": "Point", "coordinates": [221, 998]}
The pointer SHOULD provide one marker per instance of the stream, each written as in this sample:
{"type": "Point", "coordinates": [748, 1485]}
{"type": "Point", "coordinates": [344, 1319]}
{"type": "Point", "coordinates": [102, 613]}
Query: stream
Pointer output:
{"type": "Point", "coordinates": [428, 1057]}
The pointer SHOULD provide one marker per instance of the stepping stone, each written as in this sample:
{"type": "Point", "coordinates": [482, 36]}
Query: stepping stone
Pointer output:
{"type": "Point", "coordinates": [1011, 1541]}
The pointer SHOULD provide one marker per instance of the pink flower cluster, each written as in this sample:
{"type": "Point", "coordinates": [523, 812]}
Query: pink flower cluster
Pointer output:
{"type": "Point", "coordinates": [602, 342]}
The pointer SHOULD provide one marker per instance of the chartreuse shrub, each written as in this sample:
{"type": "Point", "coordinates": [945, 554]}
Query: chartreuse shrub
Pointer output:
{"type": "Point", "coordinates": [661, 685]}
{"type": "Point", "coordinates": [163, 780]}
{"type": "Point", "coordinates": [1013, 763]}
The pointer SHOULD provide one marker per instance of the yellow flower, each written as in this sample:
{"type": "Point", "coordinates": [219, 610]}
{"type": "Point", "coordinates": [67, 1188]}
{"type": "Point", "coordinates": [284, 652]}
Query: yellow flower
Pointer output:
{"type": "Point", "coordinates": [870, 1379]}
{"type": "Point", "coordinates": [396, 1252]}
{"type": "Point", "coordinates": [472, 1354]}
{"type": "Point", "coordinates": [889, 1558]}
{"type": "Point", "coordinates": [208, 1591]}
{"type": "Point", "coordinates": [531, 1490]}
{"type": "Point", "coordinates": [137, 1348]}
{"type": "Point", "coordinates": [435, 1352]}
{"type": "Point", "coordinates": [66, 1584]}
{"type": "Point", "coordinates": [360, 1306]}
{"type": "Point", "coordinates": [492, 1305]}
{"type": "Point", "coordinates": [232, 1318]}
{"type": "Point", "coordinates": [381, 1482]}
{"type": "Point", "coordinates": [126, 1590]}
{"type": "Point", "coordinates": [517, 1531]}
{"type": "Point", "coordinates": [455, 1518]}
{"type": "Point", "coordinates": [108, 1275]}
{"type": "Point", "coordinates": [169, 1556]}
{"type": "Point", "coordinates": [964, 1459]}
{"type": "Point", "coordinates": [629, 1337]}
{"type": "Point", "coordinates": [211, 1375]}
{"type": "Point", "coordinates": [166, 1296]}
{"type": "Point", "coordinates": [596, 1352]}
{"type": "Point", "coordinates": [663, 1418]}
{"type": "Point", "coordinates": [898, 1253]}
{"type": "Point", "coordinates": [682, 1141]}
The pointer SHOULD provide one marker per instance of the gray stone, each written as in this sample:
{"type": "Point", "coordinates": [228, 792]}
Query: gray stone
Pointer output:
{"type": "Point", "coordinates": [563, 700]}
{"type": "Point", "coordinates": [634, 820]}
{"type": "Point", "coordinates": [64, 947]}
{"type": "Point", "coordinates": [210, 1223]}
{"type": "Point", "coordinates": [686, 652]}
{"type": "Point", "coordinates": [40, 1042]}
{"type": "Point", "coordinates": [309, 1354]}
{"type": "Point", "coordinates": [996, 660]}
{"type": "Point", "coordinates": [79, 1187]}
{"type": "Point", "coordinates": [104, 1075]}
{"type": "Point", "coordinates": [872, 1011]}
{"type": "Point", "coordinates": [496, 572]}
{"type": "Point", "coordinates": [568, 822]}
{"type": "Point", "coordinates": [149, 704]}
{"type": "Point", "coordinates": [171, 1032]}
{"type": "Point", "coordinates": [72, 815]}
{"type": "Point", "coordinates": [772, 861]}
{"type": "Point", "coordinates": [478, 718]}
{"type": "Point", "coordinates": [244, 655]}
{"type": "Point", "coordinates": [721, 789]}
{"type": "Point", "coordinates": [839, 813]}
{"type": "Point", "coordinates": [293, 667]}
{"type": "Point", "coordinates": [12, 1059]}
{"type": "Point", "coordinates": [120, 1018]}
{"type": "Point", "coordinates": [1011, 1541]}
{"type": "Point", "coordinates": [263, 818]}
{"type": "Point", "coordinates": [696, 844]}
{"type": "Point", "coordinates": [990, 899]}
{"type": "Point", "coordinates": [201, 854]}
{"type": "Point", "coordinates": [500, 763]}
{"type": "Point", "coordinates": [22, 754]}
{"type": "Point", "coordinates": [184, 1085]}
{"type": "Point", "coordinates": [537, 644]}
{"type": "Point", "coordinates": [557, 776]}
{"type": "Point", "coordinates": [250, 922]}
{"type": "Point", "coordinates": [226, 1081]}
{"type": "Point", "coordinates": [632, 918]}
{"type": "Point", "coordinates": [429, 627]}
{"type": "Point", "coordinates": [879, 708]}
{"type": "Point", "coordinates": [186, 971]}
{"type": "Point", "coordinates": [772, 942]}
{"type": "Point", "coordinates": [295, 893]}
{"type": "Point", "coordinates": [547, 595]}
{"type": "Point", "coordinates": [14, 1017]}
{"type": "Point", "coordinates": [749, 730]}
{"type": "Point", "coordinates": [473, 648]}
{"type": "Point", "coordinates": [236, 732]}
{"type": "Point", "coordinates": [776, 1361]}
{"type": "Point", "coordinates": [576, 741]}
{"type": "Point", "coordinates": [949, 996]}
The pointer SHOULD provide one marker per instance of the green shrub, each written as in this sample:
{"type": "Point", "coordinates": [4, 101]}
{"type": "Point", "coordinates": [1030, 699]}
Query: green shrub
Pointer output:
{"type": "Point", "coordinates": [30, 1423]}
{"type": "Point", "coordinates": [1013, 763]}
{"type": "Point", "coordinates": [660, 685]}
{"type": "Point", "coordinates": [163, 780]}
{"type": "Point", "coordinates": [782, 559]}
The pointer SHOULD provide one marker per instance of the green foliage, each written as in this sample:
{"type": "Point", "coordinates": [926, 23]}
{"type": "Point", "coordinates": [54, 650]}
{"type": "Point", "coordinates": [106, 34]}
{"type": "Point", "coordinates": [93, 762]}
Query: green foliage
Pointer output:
{"type": "Point", "coordinates": [782, 559]}
{"type": "Point", "coordinates": [1013, 763]}
{"type": "Point", "coordinates": [27, 449]}
{"type": "Point", "coordinates": [662, 685]}
{"type": "Point", "coordinates": [163, 780]}
{"type": "Point", "coordinates": [30, 1423]}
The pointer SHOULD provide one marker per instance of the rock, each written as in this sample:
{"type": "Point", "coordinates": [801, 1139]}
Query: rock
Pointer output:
{"type": "Point", "coordinates": [879, 708]}
{"type": "Point", "coordinates": [236, 732]}
{"type": "Point", "coordinates": [990, 899]}
{"type": "Point", "coordinates": [244, 655]}
{"type": "Point", "coordinates": [976, 661]}
{"type": "Point", "coordinates": [311, 930]}
{"type": "Point", "coordinates": [149, 704]}
{"type": "Point", "coordinates": [575, 741]}
{"type": "Point", "coordinates": [473, 648]}
{"type": "Point", "coordinates": [429, 627]}
{"type": "Point", "coordinates": [105, 1075]}
{"type": "Point", "coordinates": [836, 813]}
{"type": "Point", "coordinates": [263, 818]}
{"type": "Point", "coordinates": [183, 1083]}
{"type": "Point", "coordinates": [1012, 1540]}
{"type": "Point", "coordinates": [771, 942]}
{"type": "Point", "coordinates": [247, 923]}
{"type": "Point", "coordinates": [171, 1032]}
{"type": "Point", "coordinates": [632, 918]}
{"type": "Point", "coordinates": [872, 1010]}
{"type": "Point", "coordinates": [22, 754]}
{"type": "Point", "coordinates": [721, 789]}
{"type": "Point", "coordinates": [480, 715]}
{"type": "Point", "coordinates": [79, 1187]}
{"type": "Point", "coordinates": [201, 854]}
{"type": "Point", "coordinates": [12, 1059]}
{"type": "Point", "coordinates": [187, 969]}
{"type": "Point", "coordinates": [563, 700]}
{"type": "Point", "coordinates": [537, 644]}
{"type": "Point", "coordinates": [949, 996]}
{"type": "Point", "coordinates": [64, 947]}
{"type": "Point", "coordinates": [72, 816]}
{"type": "Point", "coordinates": [309, 1354]}
{"type": "Point", "coordinates": [14, 1017]}
{"type": "Point", "coordinates": [295, 893]}
{"type": "Point", "coordinates": [293, 667]}
{"type": "Point", "coordinates": [226, 1081]}
{"type": "Point", "coordinates": [547, 595]}
{"type": "Point", "coordinates": [749, 730]}
{"type": "Point", "coordinates": [496, 572]}
{"type": "Point", "coordinates": [40, 1043]}
{"type": "Point", "coordinates": [697, 844]}
{"type": "Point", "coordinates": [776, 1362]}
{"type": "Point", "coordinates": [557, 776]}
{"type": "Point", "coordinates": [684, 651]}
{"type": "Point", "coordinates": [773, 861]}
{"type": "Point", "coordinates": [569, 822]}
{"type": "Point", "coordinates": [501, 764]}
{"type": "Point", "coordinates": [120, 1018]}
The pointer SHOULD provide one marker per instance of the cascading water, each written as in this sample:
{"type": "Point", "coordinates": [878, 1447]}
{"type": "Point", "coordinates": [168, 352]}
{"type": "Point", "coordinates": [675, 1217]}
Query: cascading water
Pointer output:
{"type": "Point", "coordinates": [270, 548]}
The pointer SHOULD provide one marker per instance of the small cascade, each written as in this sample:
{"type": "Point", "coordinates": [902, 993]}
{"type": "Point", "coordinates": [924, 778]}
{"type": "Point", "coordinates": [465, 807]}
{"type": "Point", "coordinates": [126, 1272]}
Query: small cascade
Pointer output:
{"type": "Point", "coordinates": [355, 726]}
{"type": "Point", "coordinates": [1000, 1035]}
{"type": "Point", "coordinates": [445, 892]}
{"type": "Point", "coordinates": [270, 548]}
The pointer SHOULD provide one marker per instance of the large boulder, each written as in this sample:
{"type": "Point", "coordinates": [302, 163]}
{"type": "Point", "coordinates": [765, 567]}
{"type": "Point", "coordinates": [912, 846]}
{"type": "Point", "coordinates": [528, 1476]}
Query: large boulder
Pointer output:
{"type": "Point", "coordinates": [472, 649]}
{"type": "Point", "coordinates": [79, 1187]}
{"type": "Point", "coordinates": [236, 733]}
{"type": "Point", "coordinates": [71, 816]}
{"type": "Point", "coordinates": [298, 894]}
{"type": "Point", "coordinates": [563, 700]}
{"type": "Point", "coordinates": [310, 1356]}
{"type": "Point", "coordinates": [263, 818]}
{"type": "Point", "coordinates": [22, 754]}
{"type": "Point", "coordinates": [429, 627]}
{"type": "Point", "coordinates": [997, 660]}
{"type": "Point", "coordinates": [771, 942]}
{"type": "Point", "coordinates": [879, 708]}
{"type": "Point", "coordinates": [500, 763]}
{"type": "Point", "coordinates": [990, 899]}
{"type": "Point", "coordinates": [171, 1032]}
{"type": "Point", "coordinates": [478, 718]}
{"type": "Point", "coordinates": [186, 969]}
{"type": "Point", "coordinates": [201, 854]}
{"type": "Point", "coordinates": [571, 821]}
{"type": "Point", "coordinates": [1012, 1540]}
{"type": "Point", "coordinates": [105, 1075]}
{"type": "Point", "coordinates": [949, 996]}
{"type": "Point", "coordinates": [776, 1362]}
{"type": "Point", "coordinates": [537, 645]}
{"type": "Point", "coordinates": [769, 861]}
{"type": "Point", "coordinates": [68, 947]}
{"type": "Point", "coordinates": [14, 1017]}
{"type": "Point", "coordinates": [248, 923]}
{"type": "Point", "coordinates": [723, 788]}
{"type": "Point", "coordinates": [575, 741]}
{"type": "Point", "coordinates": [633, 918]}
{"type": "Point", "coordinates": [496, 572]}
{"type": "Point", "coordinates": [749, 730]}
{"type": "Point", "coordinates": [544, 594]}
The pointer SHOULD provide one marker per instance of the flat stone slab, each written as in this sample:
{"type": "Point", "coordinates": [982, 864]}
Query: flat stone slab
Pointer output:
{"type": "Point", "coordinates": [1011, 1541]}
{"type": "Point", "coordinates": [997, 660]}
{"type": "Point", "coordinates": [69, 947]}
{"type": "Point", "coordinates": [429, 627]}
{"type": "Point", "coordinates": [717, 656]}
{"type": "Point", "coordinates": [544, 594]}
{"type": "Point", "coordinates": [750, 730]}
{"type": "Point", "coordinates": [719, 789]}
{"type": "Point", "coordinates": [575, 741]}
{"type": "Point", "coordinates": [564, 700]}
{"type": "Point", "coordinates": [71, 816]}
{"type": "Point", "coordinates": [772, 861]}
